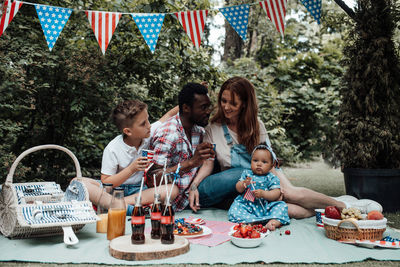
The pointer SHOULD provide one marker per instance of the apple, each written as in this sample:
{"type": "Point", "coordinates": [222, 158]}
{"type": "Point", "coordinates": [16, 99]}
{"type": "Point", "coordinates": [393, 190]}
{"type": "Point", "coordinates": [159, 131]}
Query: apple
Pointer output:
{"type": "Point", "coordinates": [333, 212]}
{"type": "Point", "coordinates": [375, 215]}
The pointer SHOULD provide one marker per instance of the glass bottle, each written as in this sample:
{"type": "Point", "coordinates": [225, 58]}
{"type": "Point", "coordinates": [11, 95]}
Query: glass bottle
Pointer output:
{"type": "Point", "coordinates": [116, 214]}
{"type": "Point", "coordinates": [156, 217]}
{"type": "Point", "coordinates": [102, 208]}
{"type": "Point", "coordinates": [167, 224]}
{"type": "Point", "coordinates": [138, 222]}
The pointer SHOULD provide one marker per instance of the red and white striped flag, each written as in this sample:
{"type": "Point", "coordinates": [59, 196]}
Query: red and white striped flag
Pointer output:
{"type": "Point", "coordinates": [10, 9]}
{"type": "Point", "coordinates": [193, 23]}
{"type": "Point", "coordinates": [276, 11]}
{"type": "Point", "coordinates": [103, 25]}
{"type": "Point", "coordinates": [249, 195]}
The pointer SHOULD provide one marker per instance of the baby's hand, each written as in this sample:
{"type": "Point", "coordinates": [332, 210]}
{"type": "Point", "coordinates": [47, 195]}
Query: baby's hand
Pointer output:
{"type": "Point", "coordinates": [140, 164]}
{"type": "Point", "coordinates": [258, 193]}
{"type": "Point", "coordinates": [247, 181]}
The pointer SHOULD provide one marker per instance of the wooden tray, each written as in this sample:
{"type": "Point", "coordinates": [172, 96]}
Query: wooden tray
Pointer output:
{"type": "Point", "coordinates": [152, 249]}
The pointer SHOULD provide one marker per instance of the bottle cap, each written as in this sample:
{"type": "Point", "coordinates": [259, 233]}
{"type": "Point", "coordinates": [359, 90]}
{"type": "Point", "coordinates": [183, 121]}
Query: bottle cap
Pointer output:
{"type": "Point", "coordinates": [107, 184]}
{"type": "Point", "coordinates": [119, 188]}
{"type": "Point", "coordinates": [157, 196]}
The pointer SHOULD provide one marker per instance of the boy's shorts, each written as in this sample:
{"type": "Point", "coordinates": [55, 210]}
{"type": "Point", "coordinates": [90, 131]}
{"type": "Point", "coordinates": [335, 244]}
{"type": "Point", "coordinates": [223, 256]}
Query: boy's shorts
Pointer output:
{"type": "Point", "coordinates": [130, 189]}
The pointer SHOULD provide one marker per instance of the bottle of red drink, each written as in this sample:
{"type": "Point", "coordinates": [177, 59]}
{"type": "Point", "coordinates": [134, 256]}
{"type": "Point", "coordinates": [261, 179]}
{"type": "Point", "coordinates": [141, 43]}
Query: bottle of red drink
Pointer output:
{"type": "Point", "coordinates": [167, 224]}
{"type": "Point", "coordinates": [138, 222]}
{"type": "Point", "coordinates": [156, 217]}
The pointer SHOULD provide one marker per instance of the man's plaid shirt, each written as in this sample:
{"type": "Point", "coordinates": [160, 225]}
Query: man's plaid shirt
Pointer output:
{"type": "Point", "coordinates": [170, 142]}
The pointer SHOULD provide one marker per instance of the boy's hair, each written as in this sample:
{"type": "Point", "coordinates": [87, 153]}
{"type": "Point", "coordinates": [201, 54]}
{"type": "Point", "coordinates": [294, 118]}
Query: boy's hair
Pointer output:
{"type": "Point", "coordinates": [186, 95]}
{"type": "Point", "coordinates": [124, 113]}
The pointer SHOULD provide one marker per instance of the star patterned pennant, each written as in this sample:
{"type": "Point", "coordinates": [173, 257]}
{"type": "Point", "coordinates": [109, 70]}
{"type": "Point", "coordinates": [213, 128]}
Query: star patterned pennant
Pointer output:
{"type": "Point", "coordinates": [9, 11]}
{"type": "Point", "coordinates": [103, 25]}
{"type": "Point", "coordinates": [238, 17]}
{"type": "Point", "coordinates": [276, 12]}
{"type": "Point", "coordinates": [314, 7]}
{"type": "Point", "coordinates": [150, 27]}
{"type": "Point", "coordinates": [53, 20]}
{"type": "Point", "coordinates": [193, 23]}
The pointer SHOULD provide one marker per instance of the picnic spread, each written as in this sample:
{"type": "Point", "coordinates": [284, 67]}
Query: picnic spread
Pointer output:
{"type": "Point", "coordinates": [35, 214]}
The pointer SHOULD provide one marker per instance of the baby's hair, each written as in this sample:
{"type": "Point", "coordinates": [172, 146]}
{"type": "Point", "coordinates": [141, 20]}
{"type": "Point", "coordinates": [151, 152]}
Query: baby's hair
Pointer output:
{"type": "Point", "coordinates": [261, 146]}
{"type": "Point", "coordinates": [125, 113]}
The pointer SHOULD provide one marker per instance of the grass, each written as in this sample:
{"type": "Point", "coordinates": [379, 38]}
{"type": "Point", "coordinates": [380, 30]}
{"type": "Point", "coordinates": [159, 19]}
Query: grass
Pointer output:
{"type": "Point", "coordinates": [314, 175]}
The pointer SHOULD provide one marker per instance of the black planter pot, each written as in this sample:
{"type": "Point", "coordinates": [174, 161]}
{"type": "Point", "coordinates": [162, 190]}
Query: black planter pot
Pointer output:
{"type": "Point", "coordinates": [381, 185]}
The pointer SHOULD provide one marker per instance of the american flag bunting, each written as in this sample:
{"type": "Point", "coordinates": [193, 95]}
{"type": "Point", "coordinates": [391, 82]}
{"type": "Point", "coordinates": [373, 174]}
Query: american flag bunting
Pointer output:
{"type": "Point", "coordinates": [193, 23]}
{"type": "Point", "coordinates": [249, 195]}
{"type": "Point", "coordinates": [314, 7]}
{"type": "Point", "coordinates": [276, 11]}
{"type": "Point", "coordinates": [9, 11]}
{"type": "Point", "coordinates": [53, 20]}
{"type": "Point", "coordinates": [103, 25]}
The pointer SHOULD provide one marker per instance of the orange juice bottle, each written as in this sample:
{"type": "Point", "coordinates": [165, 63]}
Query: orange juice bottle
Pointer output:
{"type": "Point", "coordinates": [116, 214]}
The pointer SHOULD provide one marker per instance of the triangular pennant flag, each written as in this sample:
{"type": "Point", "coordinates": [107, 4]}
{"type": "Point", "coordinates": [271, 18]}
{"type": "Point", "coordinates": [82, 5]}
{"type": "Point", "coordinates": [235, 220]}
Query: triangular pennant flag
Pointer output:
{"type": "Point", "coordinates": [314, 7]}
{"type": "Point", "coordinates": [53, 20]}
{"type": "Point", "coordinates": [9, 11]}
{"type": "Point", "coordinates": [276, 11]}
{"type": "Point", "coordinates": [150, 27]}
{"type": "Point", "coordinates": [193, 23]}
{"type": "Point", "coordinates": [238, 17]}
{"type": "Point", "coordinates": [103, 25]}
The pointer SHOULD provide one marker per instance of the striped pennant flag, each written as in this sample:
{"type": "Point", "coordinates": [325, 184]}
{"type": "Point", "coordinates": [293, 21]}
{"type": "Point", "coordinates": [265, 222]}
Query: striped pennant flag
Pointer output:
{"type": "Point", "coordinates": [249, 195]}
{"type": "Point", "coordinates": [150, 27]}
{"type": "Point", "coordinates": [9, 11]}
{"type": "Point", "coordinates": [314, 7]}
{"type": "Point", "coordinates": [238, 17]}
{"type": "Point", "coordinates": [193, 23]}
{"type": "Point", "coordinates": [53, 20]}
{"type": "Point", "coordinates": [276, 11]}
{"type": "Point", "coordinates": [103, 25]}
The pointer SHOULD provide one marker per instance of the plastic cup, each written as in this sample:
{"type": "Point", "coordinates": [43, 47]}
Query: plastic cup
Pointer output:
{"type": "Point", "coordinates": [318, 217]}
{"type": "Point", "coordinates": [213, 158]}
{"type": "Point", "coordinates": [149, 154]}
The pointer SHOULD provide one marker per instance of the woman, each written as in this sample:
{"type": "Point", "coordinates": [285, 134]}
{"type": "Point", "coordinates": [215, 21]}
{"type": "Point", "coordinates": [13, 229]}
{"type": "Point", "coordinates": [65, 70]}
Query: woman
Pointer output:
{"type": "Point", "coordinates": [236, 130]}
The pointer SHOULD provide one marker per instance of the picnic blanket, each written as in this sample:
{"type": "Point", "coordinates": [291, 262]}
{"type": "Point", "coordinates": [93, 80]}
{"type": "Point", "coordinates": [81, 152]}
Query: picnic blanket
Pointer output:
{"type": "Point", "coordinates": [306, 244]}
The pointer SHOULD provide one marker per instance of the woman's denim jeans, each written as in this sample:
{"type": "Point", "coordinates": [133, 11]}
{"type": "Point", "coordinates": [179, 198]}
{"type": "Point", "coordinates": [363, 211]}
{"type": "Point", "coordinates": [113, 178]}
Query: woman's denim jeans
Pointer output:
{"type": "Point", "coordinates": [219, 186]}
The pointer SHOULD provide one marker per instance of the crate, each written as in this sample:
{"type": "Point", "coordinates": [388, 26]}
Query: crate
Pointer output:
{"type": "Point", "coordinates": [42, 208]}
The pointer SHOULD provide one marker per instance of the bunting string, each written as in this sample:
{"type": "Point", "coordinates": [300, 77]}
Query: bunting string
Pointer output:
{"type": "Point", "coordinates": [103, 23]}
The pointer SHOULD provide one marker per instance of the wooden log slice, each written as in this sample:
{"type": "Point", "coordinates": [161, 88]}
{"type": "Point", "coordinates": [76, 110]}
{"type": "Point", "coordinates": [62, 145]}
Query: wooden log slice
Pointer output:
{"type": "Point", "coordinates": [122, 248]}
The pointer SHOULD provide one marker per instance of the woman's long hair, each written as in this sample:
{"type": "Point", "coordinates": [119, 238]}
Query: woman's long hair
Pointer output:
{"type": "Point", "coordinates": [248, 128]}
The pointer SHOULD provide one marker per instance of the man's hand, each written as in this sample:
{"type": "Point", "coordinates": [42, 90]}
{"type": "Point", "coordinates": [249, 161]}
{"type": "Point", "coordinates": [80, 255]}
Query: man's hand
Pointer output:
{"type": "Point", "coordinates": [259, 193]}
{"type": "Point", "coordinates": [203, 151]}
{"type": "Point", "coordinates": [194, 198]}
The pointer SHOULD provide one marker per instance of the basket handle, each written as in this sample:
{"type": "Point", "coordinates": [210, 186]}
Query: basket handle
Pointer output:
{"type": "Point", "coordinates": [350, 220]}
{"type": "Point", "coordinates": [10, 175]}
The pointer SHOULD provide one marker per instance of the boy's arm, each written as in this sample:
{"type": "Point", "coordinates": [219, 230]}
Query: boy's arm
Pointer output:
{"type": "Point", "coordinates": [119, 178]}
{"type": "Point", "coordinates": [169, 114]}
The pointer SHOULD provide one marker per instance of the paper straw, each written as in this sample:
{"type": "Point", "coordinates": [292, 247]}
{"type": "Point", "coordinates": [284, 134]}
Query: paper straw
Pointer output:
{"type": "Point", "coordinates": [258, 199]}
{"type": "Point", "coordinates": [166, 188]}
{"type": "Point", "coordinates": [170, 192]}
{"type": "Point", "coordinates": [141, 187]}
{"type": "Point", "coordinates": [155, 184]}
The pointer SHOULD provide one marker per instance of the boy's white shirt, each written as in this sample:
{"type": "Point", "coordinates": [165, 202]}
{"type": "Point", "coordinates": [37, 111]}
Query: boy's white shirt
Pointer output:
{"type": "Point", "coordinates": [118, 155]}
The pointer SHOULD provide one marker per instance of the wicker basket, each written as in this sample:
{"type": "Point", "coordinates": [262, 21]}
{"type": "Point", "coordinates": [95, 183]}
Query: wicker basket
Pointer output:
{"type": "Point", "coordinates": [43, 209]}
{"type": "Point", "coordinates": [352, 229]}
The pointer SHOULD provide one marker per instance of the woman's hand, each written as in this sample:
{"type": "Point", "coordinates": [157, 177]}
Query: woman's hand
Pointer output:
{"type": "Point", "coordinates": [139, 164]}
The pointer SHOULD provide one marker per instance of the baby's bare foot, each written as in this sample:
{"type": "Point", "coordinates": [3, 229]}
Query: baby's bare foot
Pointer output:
{"type": "Point", "coordinates": [273, 224]}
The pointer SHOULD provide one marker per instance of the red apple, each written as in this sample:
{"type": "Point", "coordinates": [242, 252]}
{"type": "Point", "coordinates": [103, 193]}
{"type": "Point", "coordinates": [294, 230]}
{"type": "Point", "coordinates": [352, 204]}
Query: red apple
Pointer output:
{"type": "Point", "coordinates": [333, 212]}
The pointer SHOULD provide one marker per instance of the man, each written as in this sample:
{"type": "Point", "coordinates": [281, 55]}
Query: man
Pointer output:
{"type": "Point", "coordinates": [179, 140]}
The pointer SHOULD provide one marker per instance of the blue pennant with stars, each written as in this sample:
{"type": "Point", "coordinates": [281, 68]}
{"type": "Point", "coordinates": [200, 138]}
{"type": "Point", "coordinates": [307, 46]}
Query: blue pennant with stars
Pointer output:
{"type": "Point", "coordinates": [238, 17]}
{"type": "Point", "coordinates": [53, 20]}
{"type": "Point", "coordinates": [314, 7]}
{"type": "Point", "coordinates": [150, 27]}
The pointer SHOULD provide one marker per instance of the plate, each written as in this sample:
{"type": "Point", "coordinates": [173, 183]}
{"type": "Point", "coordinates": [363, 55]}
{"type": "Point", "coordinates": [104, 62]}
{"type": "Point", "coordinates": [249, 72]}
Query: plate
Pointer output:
{"type": "Point", "coordinates": [194, 220]}
{"type": "Point", "coordinates": [372, 244]}
{"type": "Point", "coordinates": [206, 231]}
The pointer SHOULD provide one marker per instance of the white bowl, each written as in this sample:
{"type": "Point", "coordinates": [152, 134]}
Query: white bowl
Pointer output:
{"type": "Point", "coordinates": [247, 242]}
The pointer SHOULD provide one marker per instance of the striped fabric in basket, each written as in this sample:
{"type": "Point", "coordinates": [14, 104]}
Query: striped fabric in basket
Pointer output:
{"type": "Point", "coordinates": [63, 213]}
{"type": "Point", "coordinates": [35, 190]}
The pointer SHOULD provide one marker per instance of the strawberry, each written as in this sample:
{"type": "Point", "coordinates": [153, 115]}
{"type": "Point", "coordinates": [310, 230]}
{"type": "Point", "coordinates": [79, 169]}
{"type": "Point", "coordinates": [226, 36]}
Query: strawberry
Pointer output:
{"type": "Point", "coordinates": [287, 232]}
{"type": "Point", "coordinates": [236, 227]}
{"type": "Point", "coordinates": [237, 234]}
{"type": "Point", "coordinates": [333, 212]}
{"type": "Point", "coordinates": [255, 234]}
{"type": "Point", "coordinates": [243, 230]}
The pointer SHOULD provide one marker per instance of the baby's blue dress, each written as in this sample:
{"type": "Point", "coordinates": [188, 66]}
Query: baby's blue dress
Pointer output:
{"type": "Point", "coordinates": [246, 211]}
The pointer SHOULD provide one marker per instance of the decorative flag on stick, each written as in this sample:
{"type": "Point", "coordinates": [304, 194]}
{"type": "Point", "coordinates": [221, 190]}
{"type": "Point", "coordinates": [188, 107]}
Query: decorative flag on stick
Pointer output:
{"type": "Point", "coordinates": [276, 11]}
{"type": "Point", "coordinates": [103, 25]}
{"type": "Point", "coordinates": [9, 11]}
{"type": "Point", "coordinates": [314, 7]}
{"type": "Point", "coordinates": [150, 27]}
{"type": "Point", "coordinates": [249, 195]}
{"type": "Point", "coordinates": [238, 17]}
{"type": "Point", "coordinates": [193, 23]}
{"type": "Point", "coordinates": [53, 20]}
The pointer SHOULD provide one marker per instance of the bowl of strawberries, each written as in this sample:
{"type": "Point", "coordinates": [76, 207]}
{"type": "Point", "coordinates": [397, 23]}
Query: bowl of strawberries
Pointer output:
{"type": "Point", "coordinates": [248, 235]}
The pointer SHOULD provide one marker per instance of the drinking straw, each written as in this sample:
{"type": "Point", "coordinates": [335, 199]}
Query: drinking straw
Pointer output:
{"type": "Point", "coordinates": [176, 174]}
{"type": "Point", "coordinates": [166, 188]}
{"type": "Point", "coordinates": [141, 187]}
{"type": "Point", "coordinates": [155, 184]}
{"type": "Point", "coordinates": [258, 199]}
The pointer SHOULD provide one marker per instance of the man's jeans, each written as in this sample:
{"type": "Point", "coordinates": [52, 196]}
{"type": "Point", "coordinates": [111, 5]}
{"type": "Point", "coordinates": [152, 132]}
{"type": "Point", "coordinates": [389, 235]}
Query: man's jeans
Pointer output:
{"type": "Point", "coordinates": [219, 186]}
